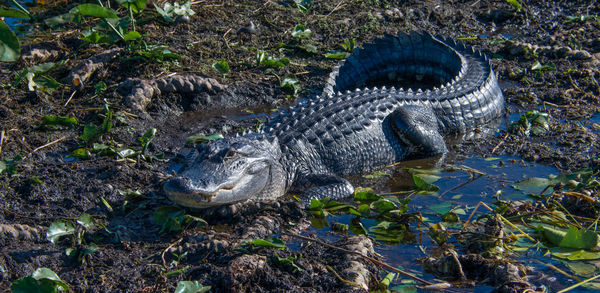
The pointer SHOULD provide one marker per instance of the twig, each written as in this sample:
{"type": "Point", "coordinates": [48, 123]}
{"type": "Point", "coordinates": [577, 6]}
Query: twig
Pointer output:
{"type": "Point", "coordinates": [329, 268]}
{"type": "Point", "coordinates": [162, 255]}
{"type": "Point", "coordinates": [47, 145]}
{"type": "Point", "coordinates": [579, 284]}
{"type": "Point", "coordinates": [1, 139]}
{"type": "Point", "coordinates": [336, 8]}
{"type": "Point", "coordinates": [377, 262]}
{"type": "Point", "coordinates": [70, 97]}
{"type": "Point", "coordinates": [461, 185]}
{"type": "Point", "coordinates": [499, 144]}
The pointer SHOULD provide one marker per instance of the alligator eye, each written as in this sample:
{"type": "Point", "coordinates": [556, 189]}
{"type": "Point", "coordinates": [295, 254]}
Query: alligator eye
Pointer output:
{"type": "Point", "coordinates": [231, 154]}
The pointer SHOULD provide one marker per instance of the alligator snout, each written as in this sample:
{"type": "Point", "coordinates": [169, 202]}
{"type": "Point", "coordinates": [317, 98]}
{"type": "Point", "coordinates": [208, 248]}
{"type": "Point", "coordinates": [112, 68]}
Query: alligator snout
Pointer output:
{"type": "Point", "coordinates": [181, 185]}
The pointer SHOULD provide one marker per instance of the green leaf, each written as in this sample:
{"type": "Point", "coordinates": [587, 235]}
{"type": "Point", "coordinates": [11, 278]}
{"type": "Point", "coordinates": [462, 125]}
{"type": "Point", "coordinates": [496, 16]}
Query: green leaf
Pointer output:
{"type": "Point", "coordinates": [197, 138]}
{"type": "Point", "coordinates": [10, 49]}
{"type": "Point", "coordinates": [191, 287]}
{"type": "Point", "coordinates": [28, 285]}
{"type": "Point", "coordinates": [59, 120]}
{"type": "Point", "coordinates": [273, 242]}
{"type": "Point", "coordinates": [316, 205]}
{"type": "Point", "coordinates": [421, 182]}
{"type": "Point", "coordinates": [46, 273]}
{"type": "Point", "coordinates": [290, 85]}
{"type": "Point", "coordinates": [222, 67]}
{"type": "Point", "coordinates": [10, 165]}
{"type": "Point", "coordinates": [86, 220]}
{"type": "Point", "coordinates": [58, 229]}
{"type": "Point", "coordinates": [301, 32]}
{"type": "Point", "coordinates": [273, 62]}
{"type": "Point", "coordinates": [147, 138]}
{"type": "Point", "coordinates": [90, 133]}
{"type": "Point", "coordinates": [383, 205]}
{"type": "Point", "coordinates": [131, 35]}
{"type": "Point", "coordinates": [365, 195]}
{"type": "Point", "coordinates": [385, 283]}
{"type": "Point", "coordinates": [288, 261]}
{"type": "Point", "coordinates": [80, 153]}
{"type": "Point", "coordinates": [336, 55]}
{"type": "Point", "coordinates": [56, 21]}
{"type": "Point", "coordinates": [95, 38]}
{"type": "Point", "coordinates": [11, 12]}
{"type": "Point", "coordinates": [576, 238]}
{"type": "Point", "coordinates": [136, 5]}
{"type": "Point", "coordinates": [574, 254]}
{"type": "Point", "coordinates": [515, 3]}
{"type": "Point", "coordinates": [93, 10]}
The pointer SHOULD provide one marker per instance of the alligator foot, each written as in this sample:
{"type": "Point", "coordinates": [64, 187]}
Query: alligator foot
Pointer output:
{"type": "Point", "coordinates": [318, 186]}
{"type": "Point", "coordinates": [417, 127]}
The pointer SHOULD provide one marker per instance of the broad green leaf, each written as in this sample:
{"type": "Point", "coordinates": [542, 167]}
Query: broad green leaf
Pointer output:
{"type": "Point", "coordinates": [59, 120]}
{"type": "Point", "coordinates": [80, 153]}
{"type": "Point", "coordinates": [271, 242]}
{"type": "Point", "coordinates": [10, 49]}
{"type": "Point", "coordinates": [574, 254]}
{"type": "Point", "coordinates": [222, 67]}
{"type": "Point", "coordinates": [441, 208]}
{"type": "Point", "coordinates": [28, 285]}
{"type": "Point", "coordinates": [11, 12]}
{"type": "Point", "coordinates": [96, 38]}
{"type": "Point", "coordinates": [136, 5]}
{"type": "Point", "coordinates": [361, 194]}
{"type": "Point", "coordinates": [59, 228]}
{"type": "Point", "coordinates": [581, 268]}
{"type": "Point", "coordinates": [422, 184]}
{"type": "Point", "coordinates": [583, 239]}
{"type": "Point", "coordinates": [316, 205]}
{"type": "Point", "coordinates": [290, 85]}
{"type": "Point", "coordinates": [191, 287]}
{"type": "Point", "coordinates": [93, 10]}
{"type": "Point", "coordinates": [383, 205]}
{"type": "Point", "coordinates": [273, 62]}
{"type": "Point", "coordinates": [131, 35]}
{"type": "Point", "coordinates": [90, 133]}
{"type": "Point", "coordinates": [86, 220]}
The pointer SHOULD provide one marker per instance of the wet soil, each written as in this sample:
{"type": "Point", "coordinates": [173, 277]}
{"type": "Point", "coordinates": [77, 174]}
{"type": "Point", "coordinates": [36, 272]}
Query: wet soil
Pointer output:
{"type": "Point", "coordinates": [133, 254]}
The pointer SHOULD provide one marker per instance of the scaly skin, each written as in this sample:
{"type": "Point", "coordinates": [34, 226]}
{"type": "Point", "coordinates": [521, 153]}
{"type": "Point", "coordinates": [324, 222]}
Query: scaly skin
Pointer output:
{"type": "Point", "coordinates": [310, 146]}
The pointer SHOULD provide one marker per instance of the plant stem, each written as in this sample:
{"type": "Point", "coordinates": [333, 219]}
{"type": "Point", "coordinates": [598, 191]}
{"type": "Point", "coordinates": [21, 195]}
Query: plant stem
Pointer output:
{"type": "Point", "coordinates": [22, 8]}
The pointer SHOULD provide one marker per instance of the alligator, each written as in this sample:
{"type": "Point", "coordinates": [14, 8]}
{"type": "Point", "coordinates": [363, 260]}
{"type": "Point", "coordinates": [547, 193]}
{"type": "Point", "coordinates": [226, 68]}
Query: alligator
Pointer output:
{"type": "Point", "coordinates": [353, 127]}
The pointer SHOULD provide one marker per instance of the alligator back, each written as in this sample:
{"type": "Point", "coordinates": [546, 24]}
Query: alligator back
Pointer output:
{"type": "Point", "coordinates": [344, 131]}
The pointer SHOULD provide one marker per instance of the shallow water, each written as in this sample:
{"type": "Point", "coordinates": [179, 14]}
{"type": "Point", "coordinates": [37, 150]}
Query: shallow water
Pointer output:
{"type": "Point", "coordinates": [458, 191]}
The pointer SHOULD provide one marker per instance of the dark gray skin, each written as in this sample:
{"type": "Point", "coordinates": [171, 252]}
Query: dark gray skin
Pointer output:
{"type": "Point", "coordinates": [308, 148]}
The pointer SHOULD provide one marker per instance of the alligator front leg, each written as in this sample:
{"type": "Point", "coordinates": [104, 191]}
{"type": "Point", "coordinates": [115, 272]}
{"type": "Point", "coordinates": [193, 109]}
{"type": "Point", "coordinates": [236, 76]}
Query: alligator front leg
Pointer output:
{"type": "Point", "coordinates": [319, 186]}
{"type": "Point", "coordinates": [417, 128]}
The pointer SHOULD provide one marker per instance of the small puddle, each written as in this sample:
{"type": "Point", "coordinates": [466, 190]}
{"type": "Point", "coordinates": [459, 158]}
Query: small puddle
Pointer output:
{"type": "Point", "coordinates": [457, 190]}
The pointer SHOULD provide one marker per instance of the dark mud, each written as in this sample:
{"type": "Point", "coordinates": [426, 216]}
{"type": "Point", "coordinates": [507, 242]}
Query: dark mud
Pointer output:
{"type": "Point", "coordinates": [135, 255]}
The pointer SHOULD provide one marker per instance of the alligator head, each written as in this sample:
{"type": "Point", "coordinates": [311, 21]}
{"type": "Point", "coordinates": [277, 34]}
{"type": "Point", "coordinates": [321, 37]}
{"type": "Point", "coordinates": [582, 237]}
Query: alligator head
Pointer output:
{"type": "Point", "coordinates": [230, 170]}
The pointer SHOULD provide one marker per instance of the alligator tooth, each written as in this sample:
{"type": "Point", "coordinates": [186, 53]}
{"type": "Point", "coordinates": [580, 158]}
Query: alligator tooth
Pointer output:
{"type": "Point", "coordinates": [419, 90]}
{"type": "Point", "coordinates": [358, 90]}
{"type": "Point", "coordinates": [348, 92]}
{"type": "Point", "coordinates": [383, 88]}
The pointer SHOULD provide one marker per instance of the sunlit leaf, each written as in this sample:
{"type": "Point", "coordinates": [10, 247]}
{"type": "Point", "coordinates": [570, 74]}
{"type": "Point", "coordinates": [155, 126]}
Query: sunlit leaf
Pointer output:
{"type": "Point", "coordinates": [58, 229]}
{"type": "Point", "coordinates": [10, 50]}
{"type": "Point", "coordinates": [93, 10]}
{"type": "Point", "coordinates": [191, 287]}
{"type": "Point", "coordinates": [222, 67]}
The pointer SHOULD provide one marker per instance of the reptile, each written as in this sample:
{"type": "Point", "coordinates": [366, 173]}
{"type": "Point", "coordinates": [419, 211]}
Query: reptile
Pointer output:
{"type": "Point", "coordinates": [353, 127]}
